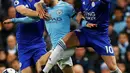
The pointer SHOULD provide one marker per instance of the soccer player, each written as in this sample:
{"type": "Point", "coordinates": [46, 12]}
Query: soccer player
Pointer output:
{"type": "Point", "coordinates": [31, 45]}
{"type": "Point", "coordinates": [96, 12]}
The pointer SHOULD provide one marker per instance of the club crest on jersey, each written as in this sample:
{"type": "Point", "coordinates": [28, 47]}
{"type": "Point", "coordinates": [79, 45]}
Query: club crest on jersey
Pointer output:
{"type": "Point", "coordinates": [59, 12]}
{"type": "Point", "coordinates": [16, 2]}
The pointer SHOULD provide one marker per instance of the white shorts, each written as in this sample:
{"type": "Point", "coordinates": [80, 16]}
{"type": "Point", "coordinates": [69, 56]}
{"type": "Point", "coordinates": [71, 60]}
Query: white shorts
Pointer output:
{"type": "Point", "coordinates": [65, 62]}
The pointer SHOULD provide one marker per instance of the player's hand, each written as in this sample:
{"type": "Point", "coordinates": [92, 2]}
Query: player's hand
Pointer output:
{"type": "Point", "coordinates": [40, 10]}
{"type": "Point", "coordinates": [79, 17]}
{"type": "Point", "coordinates": [90, 25]}
{"type": "Point", "coordinates": [47, 16]}
{"type": "Point", "coordinates": [7, 21]}
{"type": "Point", "coordinates": [42, 13]}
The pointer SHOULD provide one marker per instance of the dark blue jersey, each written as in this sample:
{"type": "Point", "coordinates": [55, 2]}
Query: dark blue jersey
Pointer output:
{"type": "Point", "coordinates": [97, 12]}
{"type": "Point", "coordinates": [29, 34]}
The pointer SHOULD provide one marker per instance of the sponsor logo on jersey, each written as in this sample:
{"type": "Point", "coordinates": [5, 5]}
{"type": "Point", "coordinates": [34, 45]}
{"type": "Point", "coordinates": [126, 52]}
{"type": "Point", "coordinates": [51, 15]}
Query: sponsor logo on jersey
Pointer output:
{"type": "Point", "coordinates": [55, 20]}
{"type": "Point", "coordinates": [90, 15]}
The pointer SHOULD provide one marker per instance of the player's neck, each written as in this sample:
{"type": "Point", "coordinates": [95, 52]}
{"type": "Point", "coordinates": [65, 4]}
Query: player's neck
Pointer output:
{"type": "Point", "coordinates": [55, 2]}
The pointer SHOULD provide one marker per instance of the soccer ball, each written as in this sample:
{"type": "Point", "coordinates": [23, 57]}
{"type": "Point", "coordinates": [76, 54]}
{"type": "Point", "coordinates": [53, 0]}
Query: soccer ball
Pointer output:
{"type": "Point", "coordinates": [9, 70]}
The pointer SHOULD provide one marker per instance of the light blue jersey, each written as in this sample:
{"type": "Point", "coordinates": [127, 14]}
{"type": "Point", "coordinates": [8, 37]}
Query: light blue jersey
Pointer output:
{"type": "Point", "coordinates": [59, 24]}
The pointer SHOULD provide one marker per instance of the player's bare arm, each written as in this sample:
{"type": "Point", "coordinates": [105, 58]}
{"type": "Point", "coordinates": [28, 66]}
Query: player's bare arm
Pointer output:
{"type": "Point", "coordinates": [26, 11]}
{"type": "Point", "coordinates": [31, 13]}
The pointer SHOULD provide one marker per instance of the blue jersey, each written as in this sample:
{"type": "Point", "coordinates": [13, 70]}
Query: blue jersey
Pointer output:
{"type": "Point", "coordinates": [97, 12]}
{"type": "Point", "coordinates": [31, 34]}
{"type": "Point", "coordinates": [59, 25]}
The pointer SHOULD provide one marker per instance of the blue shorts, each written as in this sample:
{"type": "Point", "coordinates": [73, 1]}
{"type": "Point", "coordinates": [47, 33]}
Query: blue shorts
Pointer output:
{"type": "Point", "coordinates": [30, 57]}
{"type": "Point", "coordinates": [100, 42]}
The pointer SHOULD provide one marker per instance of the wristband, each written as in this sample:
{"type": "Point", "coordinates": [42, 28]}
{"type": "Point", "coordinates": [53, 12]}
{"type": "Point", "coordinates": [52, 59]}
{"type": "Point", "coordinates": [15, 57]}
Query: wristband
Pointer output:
{"type": "Point", "coordinates": [13, 20]}
{"type": "Point", "coordinates": [83, 22]}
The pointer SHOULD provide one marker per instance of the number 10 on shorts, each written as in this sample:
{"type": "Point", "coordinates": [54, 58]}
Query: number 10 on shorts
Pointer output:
{"type": "Point", "coordinates": [109, 49]}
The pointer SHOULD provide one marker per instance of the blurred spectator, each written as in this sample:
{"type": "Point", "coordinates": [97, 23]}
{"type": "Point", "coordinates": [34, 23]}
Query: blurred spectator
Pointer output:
{"type": "Point", "coordinates": [118, 20]}
{"type": "Point", "coordinates": [11, 41]}
{"type": "Point", "coordinates": [80, 58]}
{"type": "Point", "coordinates": [6, 4]}
{"type": "Point", "coordinates": [91, 71]}
{"type": "Point", "coordinates": [1, 43]}
{"type": "Point", "coordinates": [122, 4]}
{"type": "Point", "coordinates": [117, 52]}
{"type": "Point", "coordinates": [128, 59]}
{"type": "Point", "coordinates": [112, 34]}
{"type": "Point", "coordinates": [121, 66]}
{"type": "Point", "coordinates": [10, 58]}
{"type": "Point", "coordinates": [15, 65]}
{"type": "Point", "coordinates": [11, 12]}
{"type": "Point", "coordinates": [6, 31]}
{"type": "Point", "coordinates": [2, 68]}
{"type": "Point", "coordinates": [78, 69]}
{"type": "Point", "coordinates": [127, 29]}
{"type": "Point", "coordinates": [2, 57]}
{"type": "Point", "coordinates": [123, 43]}
{"type": "Point", "coordinates": [0, 26]}
{"type": "Point", "coordinates": [104, 68]}
{"type": "Point", "coordinates": [93, 59]}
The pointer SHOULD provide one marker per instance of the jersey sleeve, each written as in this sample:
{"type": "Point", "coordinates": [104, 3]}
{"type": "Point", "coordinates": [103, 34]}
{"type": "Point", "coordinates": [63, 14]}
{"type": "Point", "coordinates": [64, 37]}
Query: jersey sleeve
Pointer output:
{"type": "Point", "coordinates": [17, 2]}
{"type": "Point", "coordinates": [24, 20]}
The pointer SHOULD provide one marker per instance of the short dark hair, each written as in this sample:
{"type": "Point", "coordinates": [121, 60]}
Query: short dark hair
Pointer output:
{"type": "Point", "coordinates": [119, 8]}
{"type": "Point", "coordinates": [122, 33]}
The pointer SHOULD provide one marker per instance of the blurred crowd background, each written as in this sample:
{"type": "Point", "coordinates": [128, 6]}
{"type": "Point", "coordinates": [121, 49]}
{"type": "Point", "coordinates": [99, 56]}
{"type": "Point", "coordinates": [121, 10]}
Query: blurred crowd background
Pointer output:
{"type": "Point", "coordinates": [85, 59]}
